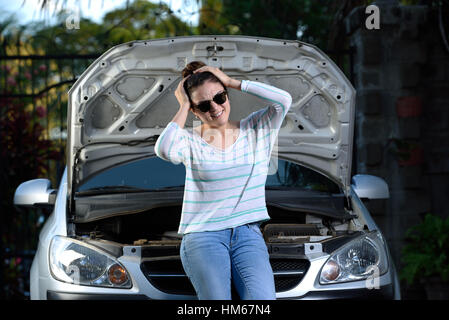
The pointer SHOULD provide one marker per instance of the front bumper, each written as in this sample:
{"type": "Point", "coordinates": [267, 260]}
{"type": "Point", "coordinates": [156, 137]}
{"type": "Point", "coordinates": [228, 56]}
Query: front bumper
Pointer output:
{"type": "Point", "coordinates": [54, 295]}
{"type": "Point", "coordinates": [383, 293]}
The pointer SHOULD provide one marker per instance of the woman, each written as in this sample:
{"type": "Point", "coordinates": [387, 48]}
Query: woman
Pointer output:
{"type": "Point", "coordinates": [226, 169]}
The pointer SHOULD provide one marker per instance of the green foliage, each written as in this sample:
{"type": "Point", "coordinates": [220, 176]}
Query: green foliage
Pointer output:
{"type": "Point", "coordinates": [25, 152]}
{"type": "Point", "coordinates": [141, 20]}
{"type": "Point", "coordinates": [306, 20]}
{"type": "Point", "coordinates": [427, 249]}
{"type": "Point", "coordinates": [410, 2]}
{"type": "Point", "coordinates": [212, 20]}
{"type": "Point", "coordinates": [403, 148]}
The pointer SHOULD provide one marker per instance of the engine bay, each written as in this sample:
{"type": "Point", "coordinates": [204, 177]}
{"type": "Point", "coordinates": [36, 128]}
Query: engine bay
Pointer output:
{"type": "Point", "coordinates": [159, 226]}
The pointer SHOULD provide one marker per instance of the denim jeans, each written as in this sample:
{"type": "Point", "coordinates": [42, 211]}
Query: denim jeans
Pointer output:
{"type": "Point", "coordinates": [212, 259]}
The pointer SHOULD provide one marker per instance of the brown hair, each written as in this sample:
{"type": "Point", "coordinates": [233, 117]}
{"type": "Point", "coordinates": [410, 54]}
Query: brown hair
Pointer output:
{"type": "Point", "coordinates": [197, 79]}
{"type": "Point", "coordinates": [192, 66]}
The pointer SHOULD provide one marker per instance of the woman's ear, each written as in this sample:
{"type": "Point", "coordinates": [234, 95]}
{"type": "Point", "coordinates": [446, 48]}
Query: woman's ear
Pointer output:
{"type": "Point", "coordinates": [194, 113]}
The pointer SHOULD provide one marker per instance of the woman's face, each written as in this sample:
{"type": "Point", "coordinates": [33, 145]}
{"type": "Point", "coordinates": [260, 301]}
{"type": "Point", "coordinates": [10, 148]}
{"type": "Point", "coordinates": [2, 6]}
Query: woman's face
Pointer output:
{"type": "Point", "coordinates": [218, 114]}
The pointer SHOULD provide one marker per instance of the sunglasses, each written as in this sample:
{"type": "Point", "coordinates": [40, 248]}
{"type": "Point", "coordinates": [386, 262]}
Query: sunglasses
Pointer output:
{"type": "Point", "coordinates": [205, 106]}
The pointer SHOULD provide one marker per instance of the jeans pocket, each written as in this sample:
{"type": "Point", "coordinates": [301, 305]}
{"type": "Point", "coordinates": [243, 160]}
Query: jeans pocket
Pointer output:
{"type": "Point", "coordinates": [255, 226]}
{"type": "Point", "coordinates": [184, 258]}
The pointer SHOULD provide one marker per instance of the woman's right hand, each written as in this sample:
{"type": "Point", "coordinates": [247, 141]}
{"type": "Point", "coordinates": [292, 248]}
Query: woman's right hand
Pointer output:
{"type": "Point", "coordinates": [181, 95]}
{"type": "Point", "coordinates": [224, 78]}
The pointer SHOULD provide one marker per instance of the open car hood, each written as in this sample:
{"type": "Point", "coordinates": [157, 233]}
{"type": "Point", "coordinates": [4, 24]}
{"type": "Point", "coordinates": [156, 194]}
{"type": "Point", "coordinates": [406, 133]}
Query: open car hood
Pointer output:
{"type": "Point", "coordinates": [127, 94]}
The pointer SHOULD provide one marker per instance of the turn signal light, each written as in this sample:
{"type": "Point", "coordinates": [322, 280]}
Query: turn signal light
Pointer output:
{"type": "Point", "coordinates": [117, 275]}
{"type": "Point", "coordinates": [331, 271]}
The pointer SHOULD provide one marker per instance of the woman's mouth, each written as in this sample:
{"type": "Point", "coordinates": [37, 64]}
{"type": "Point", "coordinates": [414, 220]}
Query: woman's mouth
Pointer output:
{"type": "Point", "coordinates": [217, 115]}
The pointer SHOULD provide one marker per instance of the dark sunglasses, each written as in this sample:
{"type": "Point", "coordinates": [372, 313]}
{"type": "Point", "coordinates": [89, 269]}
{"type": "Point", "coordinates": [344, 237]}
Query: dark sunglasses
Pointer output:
{"type": "Point", "coordinates": [205, 106]}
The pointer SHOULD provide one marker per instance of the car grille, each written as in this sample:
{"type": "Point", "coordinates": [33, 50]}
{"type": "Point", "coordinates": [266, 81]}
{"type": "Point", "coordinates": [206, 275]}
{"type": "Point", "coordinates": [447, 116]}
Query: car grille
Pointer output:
{"type": "Point", "coordinates": [167, 274]}
{"type": "Point", "coordinates": [288, 273]}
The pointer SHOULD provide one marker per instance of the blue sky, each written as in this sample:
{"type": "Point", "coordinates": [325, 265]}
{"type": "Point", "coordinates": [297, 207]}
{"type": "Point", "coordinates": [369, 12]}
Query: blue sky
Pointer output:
{"type": "Point", "coordinates": [28, 10]}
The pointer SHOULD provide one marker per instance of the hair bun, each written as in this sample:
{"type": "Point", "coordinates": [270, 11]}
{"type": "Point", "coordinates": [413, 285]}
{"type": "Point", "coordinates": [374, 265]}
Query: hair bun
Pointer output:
{"type": "Point", "coordinates": [192, 66]}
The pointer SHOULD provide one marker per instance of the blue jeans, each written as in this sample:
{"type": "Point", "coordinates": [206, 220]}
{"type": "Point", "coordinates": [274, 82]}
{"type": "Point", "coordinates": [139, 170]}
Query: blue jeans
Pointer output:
{"type": "Point", "coordinates": [212, 259]}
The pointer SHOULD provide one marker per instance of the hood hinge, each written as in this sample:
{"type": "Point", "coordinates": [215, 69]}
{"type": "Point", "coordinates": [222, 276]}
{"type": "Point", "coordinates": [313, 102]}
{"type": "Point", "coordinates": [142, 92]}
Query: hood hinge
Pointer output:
{"type": "Point", "coordinates": [348, 198]}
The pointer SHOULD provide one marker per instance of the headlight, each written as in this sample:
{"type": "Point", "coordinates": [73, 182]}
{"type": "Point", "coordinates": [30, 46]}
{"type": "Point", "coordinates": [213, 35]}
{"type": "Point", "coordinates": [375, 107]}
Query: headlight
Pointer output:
{"type": "Point", "coordinates": [76, 262]}
{"type": "Point", "coordinates": [357, 260]}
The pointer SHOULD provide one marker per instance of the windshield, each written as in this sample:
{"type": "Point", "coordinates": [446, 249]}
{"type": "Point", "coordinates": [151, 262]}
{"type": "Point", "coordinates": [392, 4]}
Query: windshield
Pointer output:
{"type": "Point", "coordinates": [155, 174]}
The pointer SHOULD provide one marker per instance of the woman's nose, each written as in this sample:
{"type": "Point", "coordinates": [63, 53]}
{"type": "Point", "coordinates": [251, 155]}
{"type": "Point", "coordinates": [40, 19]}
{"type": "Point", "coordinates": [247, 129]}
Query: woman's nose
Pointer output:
{"type": "Point", "coordinates": [215, 106]}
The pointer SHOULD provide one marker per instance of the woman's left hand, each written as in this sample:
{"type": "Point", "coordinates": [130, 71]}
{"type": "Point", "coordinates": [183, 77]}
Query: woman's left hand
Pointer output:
{"type": "Point", "coordinates": [225, 79]}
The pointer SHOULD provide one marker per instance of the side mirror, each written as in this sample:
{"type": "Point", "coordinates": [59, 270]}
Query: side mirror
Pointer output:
{"type": "Point", "coordinates": [35, 193]}
{"type": "Point", "coordinates": [370, 187]}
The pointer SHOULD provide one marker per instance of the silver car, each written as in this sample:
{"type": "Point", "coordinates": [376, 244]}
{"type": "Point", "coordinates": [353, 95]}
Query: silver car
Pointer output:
{"type": "Point", "coordinates": [112, 233]}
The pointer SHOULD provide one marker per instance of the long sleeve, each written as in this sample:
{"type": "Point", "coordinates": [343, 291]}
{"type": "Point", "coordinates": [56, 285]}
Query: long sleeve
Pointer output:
{"type": "Point", "coordinates": [173, 144]}
{"type": "Point", "coordinates": [268, 121]}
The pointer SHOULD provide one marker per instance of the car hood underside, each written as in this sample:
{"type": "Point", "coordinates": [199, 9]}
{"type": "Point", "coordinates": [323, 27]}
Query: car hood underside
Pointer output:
{"type": "Point", "coordinates": [127, 96]}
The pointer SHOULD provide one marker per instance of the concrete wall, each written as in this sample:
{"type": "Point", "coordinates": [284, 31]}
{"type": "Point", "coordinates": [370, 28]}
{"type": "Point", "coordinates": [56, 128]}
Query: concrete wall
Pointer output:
{"type": "Point", "coordinates": [402, 81]}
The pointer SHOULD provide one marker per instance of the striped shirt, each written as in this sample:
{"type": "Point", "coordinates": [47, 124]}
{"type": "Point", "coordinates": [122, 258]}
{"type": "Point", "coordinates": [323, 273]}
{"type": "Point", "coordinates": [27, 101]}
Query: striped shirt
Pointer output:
{"type": "Point", "coordinates": [225, 188]}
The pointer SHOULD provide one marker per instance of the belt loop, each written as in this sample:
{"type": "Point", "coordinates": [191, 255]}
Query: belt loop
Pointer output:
{"type": "Point", "coordinates": [234, 233]}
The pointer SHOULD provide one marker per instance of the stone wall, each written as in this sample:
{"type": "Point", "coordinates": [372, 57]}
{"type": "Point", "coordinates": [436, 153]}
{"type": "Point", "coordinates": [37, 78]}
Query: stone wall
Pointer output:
{"type": "Point", "coordinates": [402, 114]}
